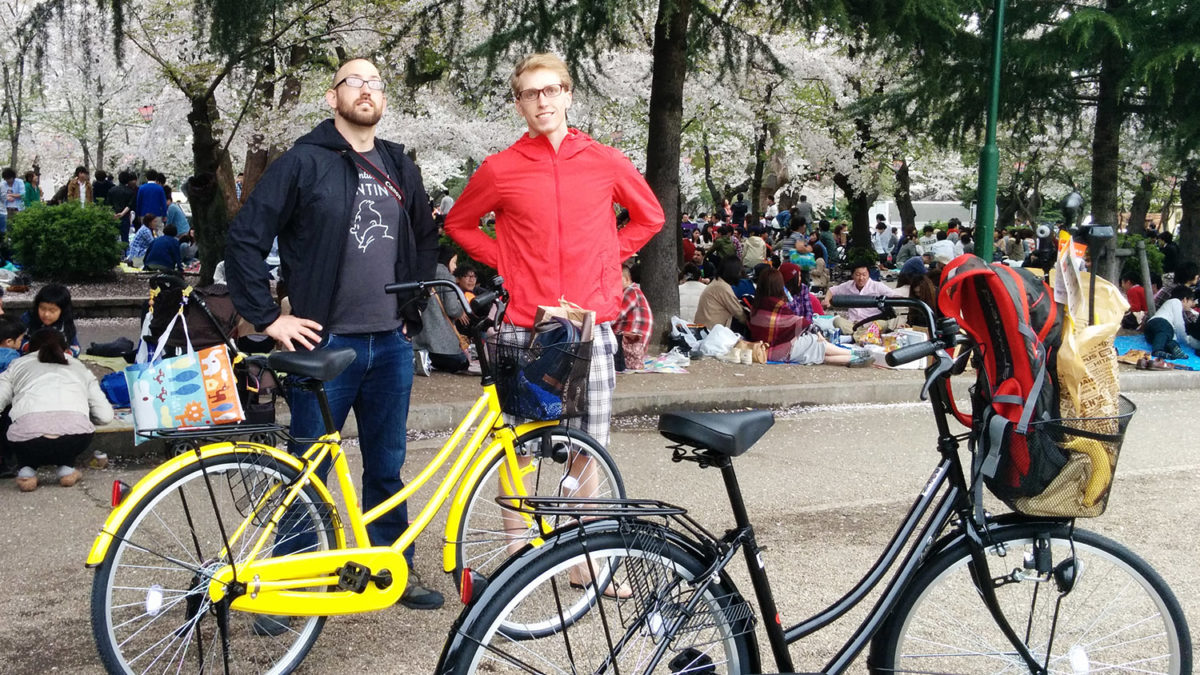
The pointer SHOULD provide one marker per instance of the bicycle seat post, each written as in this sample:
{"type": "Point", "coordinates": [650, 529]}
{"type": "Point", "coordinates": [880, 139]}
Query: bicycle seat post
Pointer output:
{"type": "Point", "coordinates": [754, 564]}
{"type": "Point", "coordinates": [323, 401]}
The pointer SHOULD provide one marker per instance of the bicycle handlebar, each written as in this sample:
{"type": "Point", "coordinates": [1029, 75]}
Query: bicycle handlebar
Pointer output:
{"type": "Point", "coordinates": [478, 307]}
{"type": "Point", "coordinates": [912, 352]}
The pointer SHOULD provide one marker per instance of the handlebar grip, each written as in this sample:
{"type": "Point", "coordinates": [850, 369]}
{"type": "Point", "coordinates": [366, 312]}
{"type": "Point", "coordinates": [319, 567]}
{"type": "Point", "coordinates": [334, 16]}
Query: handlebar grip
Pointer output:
{"type": "Point", "coordinates": [851, 301]}
{"type": "Point", "coordinates": [404, 286]}
{"type": "Point", "coordinates": [912, 352]}
{"type": "Point", "coordinates": [482, 303]}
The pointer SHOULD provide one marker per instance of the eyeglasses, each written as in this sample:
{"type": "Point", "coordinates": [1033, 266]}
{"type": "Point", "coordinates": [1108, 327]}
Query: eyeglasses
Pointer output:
{"type": "Point", "coordinates": [551, 91]}
{"type": "Point", "coordinates": [357, 83]}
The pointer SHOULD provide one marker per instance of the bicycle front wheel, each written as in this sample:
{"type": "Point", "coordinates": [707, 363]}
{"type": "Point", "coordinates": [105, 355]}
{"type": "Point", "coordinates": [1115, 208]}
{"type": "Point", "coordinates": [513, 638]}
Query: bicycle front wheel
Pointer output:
{"type": "Point", "coordinates": [151, 611]}
{"type": "Point", "coordinates": [555, 462]}
{"type": "Point", "coordinates": [643, 609]}
{"type": "Point", "coordinates": [1100, 609]}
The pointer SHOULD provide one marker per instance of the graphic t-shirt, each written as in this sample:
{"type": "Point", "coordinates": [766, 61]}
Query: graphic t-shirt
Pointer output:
{"type": "Point", "coordinates": [369, 259]}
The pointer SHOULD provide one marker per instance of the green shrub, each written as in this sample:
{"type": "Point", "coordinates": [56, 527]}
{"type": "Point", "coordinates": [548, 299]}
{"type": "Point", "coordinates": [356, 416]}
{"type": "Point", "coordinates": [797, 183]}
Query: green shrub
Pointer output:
{"type": "Point", "coordinates": [1132, 264]}
{"type": "Point", "coordinates": [66, 242]}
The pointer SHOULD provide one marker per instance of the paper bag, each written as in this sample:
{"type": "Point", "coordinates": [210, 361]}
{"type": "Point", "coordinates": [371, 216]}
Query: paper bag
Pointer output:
{"type": "Point", "coordinates": [583, 319]}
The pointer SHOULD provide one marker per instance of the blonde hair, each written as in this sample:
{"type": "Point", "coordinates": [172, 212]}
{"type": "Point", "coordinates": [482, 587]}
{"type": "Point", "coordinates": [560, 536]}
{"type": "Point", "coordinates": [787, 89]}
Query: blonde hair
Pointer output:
{"type": "Point", "coordinates": [540, 61]}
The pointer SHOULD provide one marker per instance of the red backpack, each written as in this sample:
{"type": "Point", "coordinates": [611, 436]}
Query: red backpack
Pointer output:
{"type": "Point", "coordinates": [1011, 315]}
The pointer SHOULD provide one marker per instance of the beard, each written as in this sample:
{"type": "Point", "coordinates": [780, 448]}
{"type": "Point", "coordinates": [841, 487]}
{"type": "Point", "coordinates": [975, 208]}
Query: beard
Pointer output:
{"type": "Point", "coordinates": [363, 118]}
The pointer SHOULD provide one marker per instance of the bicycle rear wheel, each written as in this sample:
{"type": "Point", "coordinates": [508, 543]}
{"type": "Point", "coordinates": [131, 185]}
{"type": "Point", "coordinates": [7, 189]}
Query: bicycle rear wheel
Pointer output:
{"type": "Point", "coordinates": [658, 571]}
{"type": "Point", "coordinates": [1118, 616]}
{"type": "Point", "coordinates": [150, 606]}
{"type": "Point", "coordinates": [557, 462]}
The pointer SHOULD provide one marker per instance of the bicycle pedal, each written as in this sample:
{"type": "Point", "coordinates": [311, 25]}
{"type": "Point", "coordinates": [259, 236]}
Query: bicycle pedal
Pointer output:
{"type": "Point", "coordinates": [355, 577]}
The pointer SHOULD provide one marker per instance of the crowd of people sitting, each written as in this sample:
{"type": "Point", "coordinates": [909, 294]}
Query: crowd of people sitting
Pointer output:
{"type": "Point", "coordinates": [145, 215]}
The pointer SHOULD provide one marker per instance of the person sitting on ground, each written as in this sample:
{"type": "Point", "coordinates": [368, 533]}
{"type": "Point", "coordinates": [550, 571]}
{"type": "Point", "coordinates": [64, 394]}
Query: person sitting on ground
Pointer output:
{"type": "Point", "coordinates": [164, 253]}
{"type": "Point", "coordinates": [913, 281]}
{"type": "Point", "coordinates": [943, 248]}
{"type": "Point", "coordinates": [51, 309]}
{"type": "Point", "coordinates": [786, 334]}
{"type": "Point", "coordinates": [439, 345]}
{"type": "Point", "coordinates": [467, 278]}
{"type": "Point", "coordinates": [909, 249]}
{"type": "Point", "coordinates": [634, 323]}
{"type": "Point", "coordinates": [11, 332]}
{"type": "Point", "coordinates": [754, 249]}
{"type": "Point", "coordinates": [691, 287]}
{"type": "Point", "coordinates": [188, 248]}
{"type": "Point", "coordinates": [140, 242]}
{"type": "Point", "coordinates": [1167, 329]}
{"type": "Point", "coordinates": [718, 305]}
{"type": "Point", "coordinates": [1187, 273]}
{"type": "Point", "coordinates": [801, 300]}
{"type": "Point", "coordinates": [928, 238]}
{"type": "Point", "coordinates": [55, 400]}
{"type": "Point", "coordinates": [860, 283]}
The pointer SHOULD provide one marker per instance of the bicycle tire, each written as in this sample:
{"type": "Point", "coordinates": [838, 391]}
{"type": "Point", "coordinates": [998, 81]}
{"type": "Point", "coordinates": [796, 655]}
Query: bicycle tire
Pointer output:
{"type": "Point", "coordinates": [482, 542]}
{"type": "Point", "coordinates": [1118, 613]}
{"type": "Point", "coordinates": [654, 563]}
{"type": "Point", "coordinates": [150, 610]}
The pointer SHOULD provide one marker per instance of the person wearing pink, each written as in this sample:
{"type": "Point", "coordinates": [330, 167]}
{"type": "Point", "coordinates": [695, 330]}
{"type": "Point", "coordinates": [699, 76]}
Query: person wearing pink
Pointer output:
{"type": "Point", "coordinates": [553, 192]}
{"type": "Point", "coordinates": [860, 283]}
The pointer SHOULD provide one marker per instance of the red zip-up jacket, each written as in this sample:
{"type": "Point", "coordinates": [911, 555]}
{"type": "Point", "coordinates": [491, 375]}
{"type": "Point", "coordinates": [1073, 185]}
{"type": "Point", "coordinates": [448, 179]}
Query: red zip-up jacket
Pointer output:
{"type": "Point", "coordinates": [556, 231]}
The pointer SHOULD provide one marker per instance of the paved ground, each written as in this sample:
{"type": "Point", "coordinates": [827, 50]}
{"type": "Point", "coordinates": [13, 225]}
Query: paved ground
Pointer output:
{"type": "Point", "coordinates": [824, 487]}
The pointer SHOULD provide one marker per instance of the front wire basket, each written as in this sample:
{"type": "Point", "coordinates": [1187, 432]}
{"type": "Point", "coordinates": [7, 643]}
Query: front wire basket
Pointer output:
{"type": "Point", "coordinates": [1083, 486]}
{"type": "Point", "coordinates": [540, 381]}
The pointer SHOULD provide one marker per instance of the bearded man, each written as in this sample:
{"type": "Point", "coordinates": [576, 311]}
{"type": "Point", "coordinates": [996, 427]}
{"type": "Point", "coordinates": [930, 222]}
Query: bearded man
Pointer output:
{"type": "Point", "coordinates": [351, 216]}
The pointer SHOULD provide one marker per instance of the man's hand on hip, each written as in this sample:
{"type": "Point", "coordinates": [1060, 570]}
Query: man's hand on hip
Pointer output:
{"type": "Point", "coordinates": [290, 330]}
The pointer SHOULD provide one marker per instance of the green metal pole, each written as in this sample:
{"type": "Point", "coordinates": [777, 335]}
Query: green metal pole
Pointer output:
{"type": "Point", "coordinates": [989, 157]}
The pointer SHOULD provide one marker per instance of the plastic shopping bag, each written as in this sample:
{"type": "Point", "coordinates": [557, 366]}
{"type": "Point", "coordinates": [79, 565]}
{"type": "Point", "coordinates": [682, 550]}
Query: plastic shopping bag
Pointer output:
{"type": "Point", "coordinates": [718, 341]}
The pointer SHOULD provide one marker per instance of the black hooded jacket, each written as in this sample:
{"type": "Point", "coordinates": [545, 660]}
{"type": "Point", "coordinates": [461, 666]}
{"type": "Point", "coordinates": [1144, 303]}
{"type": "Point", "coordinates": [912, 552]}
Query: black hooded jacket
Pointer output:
{"type": "Point", "coordinates": [306, 198]}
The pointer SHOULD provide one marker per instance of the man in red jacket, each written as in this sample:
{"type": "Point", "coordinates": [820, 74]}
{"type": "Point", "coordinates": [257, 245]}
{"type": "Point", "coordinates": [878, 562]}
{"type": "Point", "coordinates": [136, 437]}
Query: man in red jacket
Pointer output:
{"type": "Point", "coordinates": [556, 235]}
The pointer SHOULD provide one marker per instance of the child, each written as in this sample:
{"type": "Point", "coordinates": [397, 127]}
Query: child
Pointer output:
{"type": "Point", "coordinates": [55, 399]}
{"type": "Point", "coordinates": [51, 309]}
{"type": "Point", "coordinates": [1167, 329]}
{"type": "Point", "coordinates": [11, 331]}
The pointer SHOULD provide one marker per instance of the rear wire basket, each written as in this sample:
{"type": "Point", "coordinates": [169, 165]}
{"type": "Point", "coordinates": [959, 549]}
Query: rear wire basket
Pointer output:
{"type": "Point", "coordinates": [1080, 491]}
{"type": "Point", "coordinates": [542, 382]}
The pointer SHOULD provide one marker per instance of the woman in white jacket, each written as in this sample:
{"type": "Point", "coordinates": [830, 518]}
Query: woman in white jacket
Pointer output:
{"type": "Point", "coordinates": [55, 399]}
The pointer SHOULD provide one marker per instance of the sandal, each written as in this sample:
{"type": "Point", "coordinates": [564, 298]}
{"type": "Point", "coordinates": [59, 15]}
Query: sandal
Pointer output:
{"type": "Point", "coordinates": [614, 589]}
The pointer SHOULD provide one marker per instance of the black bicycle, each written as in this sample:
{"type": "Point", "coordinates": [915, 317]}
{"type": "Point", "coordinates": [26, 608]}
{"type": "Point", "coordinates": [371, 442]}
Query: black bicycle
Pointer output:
{"type": "Point", "coordinates": [971, 592]}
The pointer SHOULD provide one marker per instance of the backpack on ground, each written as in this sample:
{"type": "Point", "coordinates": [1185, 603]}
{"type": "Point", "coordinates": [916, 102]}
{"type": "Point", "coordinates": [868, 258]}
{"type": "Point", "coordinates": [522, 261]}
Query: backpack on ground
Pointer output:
{"type": "Point", "coordinates": [1011, 315]}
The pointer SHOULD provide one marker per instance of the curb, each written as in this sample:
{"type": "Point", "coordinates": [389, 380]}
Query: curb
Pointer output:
{"type": "Point", "coordinates": [442, 417]}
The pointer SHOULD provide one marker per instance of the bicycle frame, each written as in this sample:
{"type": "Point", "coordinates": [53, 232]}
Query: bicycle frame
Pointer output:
{"type": "Point", "coordinates": [277, 583]}
{"type": "Point", "coordinates": [947, 480]}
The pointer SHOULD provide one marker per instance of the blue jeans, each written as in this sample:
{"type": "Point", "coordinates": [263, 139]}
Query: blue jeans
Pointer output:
{"type": "Point", "coordinates": [376, 386]}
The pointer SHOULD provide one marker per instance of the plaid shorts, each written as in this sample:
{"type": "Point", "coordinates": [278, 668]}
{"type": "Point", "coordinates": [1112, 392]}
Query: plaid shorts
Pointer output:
{"type": "Point", "coordinates": [602, 379]}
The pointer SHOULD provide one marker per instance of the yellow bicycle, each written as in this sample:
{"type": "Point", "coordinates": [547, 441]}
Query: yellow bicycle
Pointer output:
{"type": "Point", "coordinates": [206, 546]}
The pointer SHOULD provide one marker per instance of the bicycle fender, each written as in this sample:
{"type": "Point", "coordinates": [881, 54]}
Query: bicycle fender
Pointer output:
{"type": "Point", "coordinates": [144, 487]}
{"type": "Point", "coordinates": [996, 525]}
{"type": "Point", "coordinates": [458, 505]}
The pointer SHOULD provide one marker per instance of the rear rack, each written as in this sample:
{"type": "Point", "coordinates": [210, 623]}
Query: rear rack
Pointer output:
{"type": "Point", "coordinates": [548, 511]}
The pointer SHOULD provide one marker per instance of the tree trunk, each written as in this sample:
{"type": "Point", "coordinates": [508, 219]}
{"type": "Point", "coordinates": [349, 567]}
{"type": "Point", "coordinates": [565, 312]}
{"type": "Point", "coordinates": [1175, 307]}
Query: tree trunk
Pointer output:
{"type": "Point", "coordinates": [211, 190]}
{"type": "Point", "coordinates": [1141, 205]}
{"type": "Point", "coordinates": [1189, 223]}
{"type": "Point", "coordinates": [708, 181]}
{"type": "Point", "coordinates": [1164, 216]}
{"type": "Point", "coordinates": [903, 197]}
{"type": "Point", "coordinates": [858, 203]}
{"type": "Point", "coordinates": [1106, 152]}
{"type": "Point", "coordinates": [660, 276]}
{"type": "Point", "coordinates": [759, 205]}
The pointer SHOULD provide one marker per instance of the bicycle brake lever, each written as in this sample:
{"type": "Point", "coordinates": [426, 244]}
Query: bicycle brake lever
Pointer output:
{"type": "Point", "coordinates": [945, 365]}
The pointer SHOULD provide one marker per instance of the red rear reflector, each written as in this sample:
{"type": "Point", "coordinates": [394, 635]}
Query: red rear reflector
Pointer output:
{"type": "Point", "coordinates": [466, 586]}
{"type": "Point", "coordinates": [119, 490]}
{"type": "Point", "coordinates": [778, 619]}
